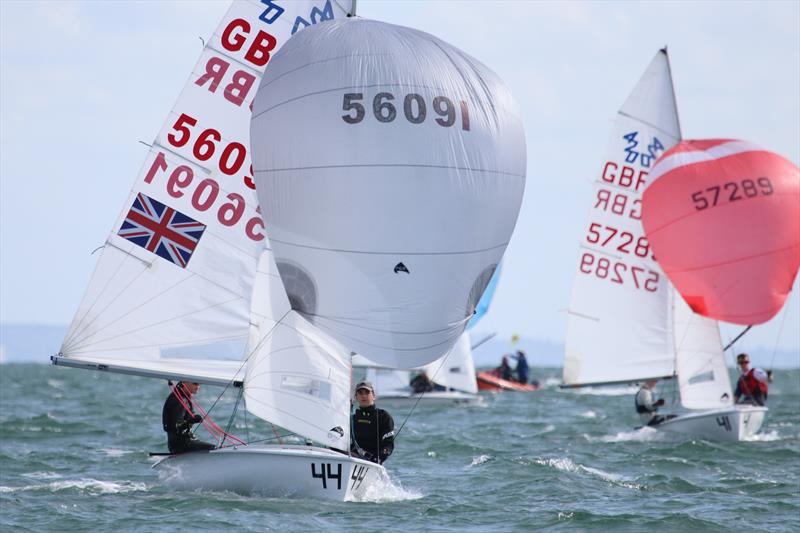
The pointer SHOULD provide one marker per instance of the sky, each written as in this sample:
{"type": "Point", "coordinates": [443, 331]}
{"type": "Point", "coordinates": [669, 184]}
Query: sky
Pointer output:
{"type": "Point", "coordinates": [81, 83]}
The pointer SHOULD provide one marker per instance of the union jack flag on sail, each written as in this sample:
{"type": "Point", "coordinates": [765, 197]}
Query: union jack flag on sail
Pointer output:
{"type": "Point", "coordinates": [162, 230]}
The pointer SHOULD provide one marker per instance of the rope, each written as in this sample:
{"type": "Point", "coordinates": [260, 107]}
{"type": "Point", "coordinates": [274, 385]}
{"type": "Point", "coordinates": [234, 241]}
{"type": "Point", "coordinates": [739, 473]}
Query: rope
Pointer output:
{"type": "Point", "coordinates": [778, 338]}
{"type": "Point", "coordinates": [190, 405]}
{"type": "Point", "coordinates": [413, 407]}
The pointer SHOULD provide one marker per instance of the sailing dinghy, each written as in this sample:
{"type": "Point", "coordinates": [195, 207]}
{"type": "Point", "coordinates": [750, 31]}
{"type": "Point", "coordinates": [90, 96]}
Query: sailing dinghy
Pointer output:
{"type": "Point", "coordinates": [453, 377]}
{"type": "Point", "coordinates": [626, 323]}
{"type": "Point", "coordinates": [187, 286]}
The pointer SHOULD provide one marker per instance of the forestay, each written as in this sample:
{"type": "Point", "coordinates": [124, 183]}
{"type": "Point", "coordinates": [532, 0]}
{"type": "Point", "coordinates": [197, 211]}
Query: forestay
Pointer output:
{"type": "Point", "coordinates": [391, 186]}
{"type": "Point", "coordinates": [618, 322]}
{"type": "Point", "coordinates": [170, 295]}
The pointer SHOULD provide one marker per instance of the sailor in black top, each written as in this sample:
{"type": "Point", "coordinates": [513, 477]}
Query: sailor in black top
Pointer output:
{"type": "Point", "coordinates": [178, 422]}
{"type": "Point", "coordinates": [373, 428]}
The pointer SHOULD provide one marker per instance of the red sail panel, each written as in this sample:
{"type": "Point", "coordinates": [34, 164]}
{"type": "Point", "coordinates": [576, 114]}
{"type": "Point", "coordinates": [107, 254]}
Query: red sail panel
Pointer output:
{"type": "Point", "coordinates": [723, 219]}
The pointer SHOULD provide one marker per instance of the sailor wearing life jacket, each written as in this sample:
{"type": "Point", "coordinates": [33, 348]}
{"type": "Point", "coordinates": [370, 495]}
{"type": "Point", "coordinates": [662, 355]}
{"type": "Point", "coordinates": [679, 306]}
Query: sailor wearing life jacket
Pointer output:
{"type": "Point", "coordinates": [752, 387]}
{"type": "Point", "coordinates": [646, 407]}
{"type": "Point", "coordinates": [373, 428]}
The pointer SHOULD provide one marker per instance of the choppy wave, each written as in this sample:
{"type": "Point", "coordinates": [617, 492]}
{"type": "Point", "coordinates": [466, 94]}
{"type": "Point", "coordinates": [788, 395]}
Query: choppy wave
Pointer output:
{"type": "Point", "coordinates": [114, 452]}
{"type": "Point", "coordinates": [764, 437]}
{"type": "Point", "coordinates": [551, 382]}
{"type": "Point", "coordinates": [87, 485]}
{"type": "Point", "coordinates": [568, 465]}
{"type": "Point", "coordinates": [480, 459]}
{"type": "Point", "coordinates": [589, 414]}
{"type": "Point", "coordinates": [385, 490]}
{"type": "Point", "coordinates": [637, 435]}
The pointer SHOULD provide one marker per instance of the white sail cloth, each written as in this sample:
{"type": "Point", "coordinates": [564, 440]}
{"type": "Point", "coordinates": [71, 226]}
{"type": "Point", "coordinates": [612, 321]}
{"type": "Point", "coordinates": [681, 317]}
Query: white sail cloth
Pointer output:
{"type": "Point", "coordinates": [170, 295]}
{"type": "Point", "coordinates": [456, 370]}
{"type": "Point", "coordinates": [390, 170]}
{"type": "Point", "coordinates": [700, 362]}
{"type": "Point", "coordinates": [618, 326]}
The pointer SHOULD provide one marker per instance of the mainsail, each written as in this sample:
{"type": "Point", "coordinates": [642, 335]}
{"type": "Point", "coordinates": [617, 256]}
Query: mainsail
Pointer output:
{"type": "Point", "coordinates": [170, 295]}
{"type": "Point", "coordinates": [626, 322]}
{"type": "Point", "coordinates": [618, 326]}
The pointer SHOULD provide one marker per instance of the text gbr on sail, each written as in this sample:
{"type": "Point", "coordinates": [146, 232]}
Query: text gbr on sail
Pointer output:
{"type": "Point", "coordinates": [236, 37]}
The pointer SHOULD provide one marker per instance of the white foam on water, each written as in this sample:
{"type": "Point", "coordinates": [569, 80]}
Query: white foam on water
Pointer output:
{"type": "Point", "coordinates": [87, 485]}
{"type": "Point", "coordinates": [567, 465]}
{"type": "Point", "coordinates": [764, 437]}
{"type": "Point", "coordinates": [589, 414]}
{"type": "Point", "coordinates": [480, 459]}
{"type": "Point", "coordinates": [42, 475]}
{"type": "Point", "coordinates": [113, 452]}
{"type": "Point", "coordinates": [432, 454]}
{"type": "Point", "coordinates": [385, 490]}
{"type": "Point", "coordinates": [644, 434]}
{"type": "Point", "coordinates": [55, 383]}
{"type": "Point", "coordinates": [552, 382]}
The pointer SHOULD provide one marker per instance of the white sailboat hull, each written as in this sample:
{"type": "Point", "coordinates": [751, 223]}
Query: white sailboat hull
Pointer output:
{"type": "Point", "coordinates": [273, 470]}
{"type": "Point", "coordinates": [730, 424]}
{"type": "Point", "coordinates": [430, 398]}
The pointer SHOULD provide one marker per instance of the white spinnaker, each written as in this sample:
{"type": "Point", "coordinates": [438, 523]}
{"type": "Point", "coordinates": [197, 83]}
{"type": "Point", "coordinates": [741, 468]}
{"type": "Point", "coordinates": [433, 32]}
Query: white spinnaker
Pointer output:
{"type": "Point", "coordinates": [456, 370]}
{"type": "Point", "coordinates": [700, 362]}
{"type": "Point", "coordinates": [144, 313]}
{"type": "Point", "coordinates": [618, 322]}
{"type": "Point", "coordinates": [299, 379]}
{"type": "Point", "coordinates": [387, 225]}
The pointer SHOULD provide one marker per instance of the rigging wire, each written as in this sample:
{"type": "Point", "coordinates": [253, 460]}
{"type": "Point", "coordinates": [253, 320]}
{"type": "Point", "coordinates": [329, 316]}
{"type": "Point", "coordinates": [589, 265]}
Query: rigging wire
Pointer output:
{"type": "Point", "coordinates": [778, 338]}
{"type": "Point", "coordinates": [413, 407]}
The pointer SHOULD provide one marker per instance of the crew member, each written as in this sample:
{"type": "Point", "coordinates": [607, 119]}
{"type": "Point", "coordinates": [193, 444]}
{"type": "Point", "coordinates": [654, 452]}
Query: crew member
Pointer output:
{"type": "Point", "coordinates": [753, 386]}
{"type": "Point", "coordinates": [373, 428]}
{"type": "Point", "coordinates": [522, 367]}
{"type": "Point", "coordinates": [178, 418]}
{"type": "Point", "coordinates": [646, 407]}
{"type": "Point", "coordinates": [421, 383]}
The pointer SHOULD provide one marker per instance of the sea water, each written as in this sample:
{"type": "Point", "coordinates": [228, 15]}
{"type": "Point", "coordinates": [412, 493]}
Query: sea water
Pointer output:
{"type": "Point", "coordinates": [74, 457]}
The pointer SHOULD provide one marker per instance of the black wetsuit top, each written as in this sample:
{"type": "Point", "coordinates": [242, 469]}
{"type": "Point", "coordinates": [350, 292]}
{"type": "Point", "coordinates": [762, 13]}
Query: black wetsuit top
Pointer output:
{"type": "Point", "coordinates": [373, 432]}
{"type": "Point", "coordinates": [177, 422]}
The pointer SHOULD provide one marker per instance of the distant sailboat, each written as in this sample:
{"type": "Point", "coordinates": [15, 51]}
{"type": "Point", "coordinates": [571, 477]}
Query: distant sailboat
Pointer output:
{"type": "Point", "coordinates": [625, 322]}
{"type": "Point", "coordinates": [187, 286]}
{"type": "Point", "coordinates": [453, 378]}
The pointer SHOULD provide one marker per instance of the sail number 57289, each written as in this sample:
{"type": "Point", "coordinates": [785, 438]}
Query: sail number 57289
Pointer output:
{"type": "Point", "coordinates": [415, 109]}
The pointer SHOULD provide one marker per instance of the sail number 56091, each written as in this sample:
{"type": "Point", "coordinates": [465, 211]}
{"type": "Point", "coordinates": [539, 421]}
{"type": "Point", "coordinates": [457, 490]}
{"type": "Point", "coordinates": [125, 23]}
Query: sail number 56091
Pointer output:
{"type": "Point", "coordinates": [415, 109]}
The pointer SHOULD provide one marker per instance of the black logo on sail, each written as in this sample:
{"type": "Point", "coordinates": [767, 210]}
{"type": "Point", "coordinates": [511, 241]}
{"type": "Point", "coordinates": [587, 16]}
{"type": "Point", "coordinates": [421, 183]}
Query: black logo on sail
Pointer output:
{"type": "Point", "coordinates": [400, 267]}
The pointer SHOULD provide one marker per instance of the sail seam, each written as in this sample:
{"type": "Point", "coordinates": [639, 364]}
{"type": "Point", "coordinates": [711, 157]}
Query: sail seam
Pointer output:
{"type": "Point", "coordinates": [394, 165]}
{"type": "Point", "coordinates": [339, 250]}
